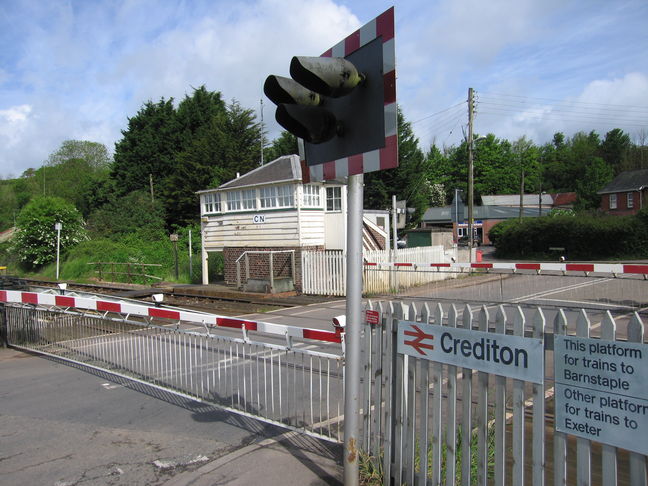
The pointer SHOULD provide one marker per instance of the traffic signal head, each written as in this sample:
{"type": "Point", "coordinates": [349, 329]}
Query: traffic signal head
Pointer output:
{"type": "Point", "coordinates": [285, 90]}
{"type": "Point", "coordinates": [329, 76]}
{"type": "Point", "coordinates": [312, 124]}
{"type": "Point", "coordinates": [342, 105]}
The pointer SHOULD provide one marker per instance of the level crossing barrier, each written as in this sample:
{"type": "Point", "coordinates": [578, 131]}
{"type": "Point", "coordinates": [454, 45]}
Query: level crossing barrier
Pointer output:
{"type": "Point", "coordinates": [283, 375]}
{"type": "Point", "coordinates": [611, 269]}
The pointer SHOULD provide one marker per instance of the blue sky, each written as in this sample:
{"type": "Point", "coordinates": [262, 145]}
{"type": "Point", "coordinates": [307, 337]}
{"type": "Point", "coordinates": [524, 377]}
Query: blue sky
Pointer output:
{"type": "Point", "coordinates": [78, 69]}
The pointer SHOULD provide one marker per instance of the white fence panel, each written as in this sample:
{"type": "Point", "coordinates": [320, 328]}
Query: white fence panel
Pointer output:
{"type": "Point", "coordinates": [434, 423]}
{"type": "Point", "coordinates": [324, 272]}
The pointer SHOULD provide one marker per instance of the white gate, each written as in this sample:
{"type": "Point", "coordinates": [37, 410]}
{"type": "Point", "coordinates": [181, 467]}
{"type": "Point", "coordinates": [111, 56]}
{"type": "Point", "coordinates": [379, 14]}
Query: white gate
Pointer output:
{"type": "Point", "coordinates": [324, 272]}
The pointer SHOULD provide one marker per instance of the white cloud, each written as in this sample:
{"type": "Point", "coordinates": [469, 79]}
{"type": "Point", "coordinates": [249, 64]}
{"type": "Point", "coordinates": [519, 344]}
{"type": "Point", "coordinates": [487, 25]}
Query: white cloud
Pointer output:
{"type": "Point", "coordinates": [630, 90]}
{"type": "Point", "coordinates": [13, 122]}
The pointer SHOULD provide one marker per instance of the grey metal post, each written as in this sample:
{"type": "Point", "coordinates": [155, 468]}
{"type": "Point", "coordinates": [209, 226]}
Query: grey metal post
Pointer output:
{"type": "Point", "coordinates": [271, 273]}
{"type": "Point", "coordinates": [353, 323]}
{"type": "Point", "coordinates": [4, 334]}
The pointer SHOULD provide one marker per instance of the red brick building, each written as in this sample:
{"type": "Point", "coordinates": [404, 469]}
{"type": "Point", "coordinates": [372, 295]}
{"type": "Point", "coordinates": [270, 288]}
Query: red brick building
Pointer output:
{"type": "Point", "coordinates": [626, 194]}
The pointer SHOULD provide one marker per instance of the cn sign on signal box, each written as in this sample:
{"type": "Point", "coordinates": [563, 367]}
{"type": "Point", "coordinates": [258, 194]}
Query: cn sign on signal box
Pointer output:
{"type": "Point", "coordinates": [602, 391]}
{"type": "Point", "coordinates": [516, 357]}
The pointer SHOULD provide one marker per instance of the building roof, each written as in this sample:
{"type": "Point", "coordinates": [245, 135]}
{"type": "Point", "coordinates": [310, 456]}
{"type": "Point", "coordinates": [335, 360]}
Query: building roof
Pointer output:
{"type": "Point", "coordinates": [442, 214]}
{"type": "Point", "coordinates": [630, 180]}
{"type": "Point", "coordinates": [562, 199]}
{"type": "Point", "coordinates": [514, 200]}
{"type": "Point", "coordinates": [283, 169]}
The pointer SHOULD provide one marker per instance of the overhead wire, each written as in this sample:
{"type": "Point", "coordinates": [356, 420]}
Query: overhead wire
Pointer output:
{"type": "Point", "coordinates": [567, 111]}
{"type": "Point", "coordinates": [565, 101]}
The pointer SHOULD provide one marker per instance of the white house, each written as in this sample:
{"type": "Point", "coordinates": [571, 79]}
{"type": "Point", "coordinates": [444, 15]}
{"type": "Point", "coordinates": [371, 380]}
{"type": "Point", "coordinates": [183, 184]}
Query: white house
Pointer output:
{"type": "Point", "coordinates": [270, 209]}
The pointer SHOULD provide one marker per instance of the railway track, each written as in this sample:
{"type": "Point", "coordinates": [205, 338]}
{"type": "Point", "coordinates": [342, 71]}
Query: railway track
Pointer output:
{"type": "Point", "coordinates": [224, 305]}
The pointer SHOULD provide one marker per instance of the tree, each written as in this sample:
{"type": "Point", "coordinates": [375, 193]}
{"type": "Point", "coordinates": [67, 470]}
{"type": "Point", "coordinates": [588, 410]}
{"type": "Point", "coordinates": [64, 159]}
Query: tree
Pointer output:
{"type": "Point", "coordinates": [94, 154]}
{"type": "Point", "coordinates": [147, 149]}
{"type": "Point", "coordinates": [203, 143]}
{"type": "Point", "coordinates": [227, 142]}
{"type": "Point", "coordinates": [597, 174]}
{"type": "Point", "coordinates": [615, 150]}
{"type": "Point", "coordinates": [408, 181]}
{"type": "Point", "coordinates": [285, 144]}
{"type": "Point", "coordinates": [35, 242]}
{"type": "Point", "coordinates": [133, 213]}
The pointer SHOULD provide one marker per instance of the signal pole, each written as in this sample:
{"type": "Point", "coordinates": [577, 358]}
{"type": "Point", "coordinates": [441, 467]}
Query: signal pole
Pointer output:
{"type": "Point", "coordinates": [470, 171]}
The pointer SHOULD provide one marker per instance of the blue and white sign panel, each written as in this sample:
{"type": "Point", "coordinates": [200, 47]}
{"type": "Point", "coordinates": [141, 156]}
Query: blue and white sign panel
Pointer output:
{"type": "Point", "coordinates": [602, 391]}
{"type": "Point", "coordinates": [516, 357]}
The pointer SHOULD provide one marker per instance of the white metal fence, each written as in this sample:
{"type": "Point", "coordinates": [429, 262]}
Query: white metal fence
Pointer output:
{"type": "Point", "coordinates": [282, 384]}
{"type": "Point", "coordinates": [324, 272]}
{"type": "Point", "coordinates": [427, 423]}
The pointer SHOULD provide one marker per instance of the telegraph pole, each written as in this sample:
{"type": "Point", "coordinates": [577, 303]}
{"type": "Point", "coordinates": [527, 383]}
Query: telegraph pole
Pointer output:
{"type": "Point", "coordinates": [262, 137]}
{"type": "Point", "coordinates": [470, 170]}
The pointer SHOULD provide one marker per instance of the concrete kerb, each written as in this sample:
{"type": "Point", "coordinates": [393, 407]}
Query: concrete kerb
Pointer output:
{"type": "Point", "coordinates": [276, 460]}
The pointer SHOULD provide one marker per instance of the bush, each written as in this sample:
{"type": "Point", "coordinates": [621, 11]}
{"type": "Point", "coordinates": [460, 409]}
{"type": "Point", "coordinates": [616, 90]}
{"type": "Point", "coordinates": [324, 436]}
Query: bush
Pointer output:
{"type": "Point", "coordinates": [36, 240]}
{"type": "Point", "coordinates": [587, 236]}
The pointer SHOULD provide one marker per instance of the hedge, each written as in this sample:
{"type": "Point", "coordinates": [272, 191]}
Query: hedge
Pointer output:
{"type": "Point", "coordinates": [584, 236]}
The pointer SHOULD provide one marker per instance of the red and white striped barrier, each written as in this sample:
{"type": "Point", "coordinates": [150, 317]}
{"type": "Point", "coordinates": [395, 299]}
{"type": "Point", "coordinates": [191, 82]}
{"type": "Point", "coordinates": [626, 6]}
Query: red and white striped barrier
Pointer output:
{"type": "Point", "coordinates": [128, 308]}
{"type": "Point", "coordinates": [614, 269]}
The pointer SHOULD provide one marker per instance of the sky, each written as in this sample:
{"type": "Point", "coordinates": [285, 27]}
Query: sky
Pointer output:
{"type": "Point", "coordinates": [78, 69]}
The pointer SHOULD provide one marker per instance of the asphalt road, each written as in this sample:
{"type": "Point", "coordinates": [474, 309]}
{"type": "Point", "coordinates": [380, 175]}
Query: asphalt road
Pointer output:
{"type": "Point", "coordinates": [64, 426]}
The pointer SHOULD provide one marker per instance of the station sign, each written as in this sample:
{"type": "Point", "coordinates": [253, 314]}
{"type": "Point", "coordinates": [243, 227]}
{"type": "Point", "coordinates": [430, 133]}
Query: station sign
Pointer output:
{"type": "Point", "coordinates": [602, 391]}
{"type": "Point", "coordinates": [516, 357]}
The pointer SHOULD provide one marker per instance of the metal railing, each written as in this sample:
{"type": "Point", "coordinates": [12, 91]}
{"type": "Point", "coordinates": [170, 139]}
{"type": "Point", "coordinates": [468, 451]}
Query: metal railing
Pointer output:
{"type": "Point", "coordinates": [129, 270]}
{"type": "Point", "coordinates": [285, 384]}
{"type": "Point", "coordinates": [426, 422]}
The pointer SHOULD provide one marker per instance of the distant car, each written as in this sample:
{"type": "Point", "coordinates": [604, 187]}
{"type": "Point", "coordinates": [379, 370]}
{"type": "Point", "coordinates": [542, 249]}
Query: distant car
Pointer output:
{"type": "Point", "coordinates": [401, 244]}
{"type": "Point", "coordinates": [465, 241]}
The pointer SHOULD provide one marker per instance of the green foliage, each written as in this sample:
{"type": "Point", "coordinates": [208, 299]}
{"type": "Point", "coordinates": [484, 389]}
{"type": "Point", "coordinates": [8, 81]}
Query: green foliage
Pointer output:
{"type": "Point", "coordinates": [286, 144]}
{"type": "Point", "coordinates": [94, 154]}
{"type": "Point", "coordinates": [597, 174]}
{"type": "Point", "coordinates": [202, 144]}
{"type": "Point", "coordinates": [147, 148]}
{"type": "Point", "coordinates": [583, 237]}
{"type": "Point", "coordinates": [35, 242]}
{"type": "Point", "coordinates": [407, 181]}
{"type": "Point", "coordinates": [133, 213]}
{"type": "Point", "coordinates": [136, 247]}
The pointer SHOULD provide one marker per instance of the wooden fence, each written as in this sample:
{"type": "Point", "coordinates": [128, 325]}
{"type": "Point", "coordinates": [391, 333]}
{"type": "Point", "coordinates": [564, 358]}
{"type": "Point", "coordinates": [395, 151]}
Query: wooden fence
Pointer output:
{"type": "Point", "coordinates": [428, 423]}
{"type": "Point", "coordinates": [324, 272]}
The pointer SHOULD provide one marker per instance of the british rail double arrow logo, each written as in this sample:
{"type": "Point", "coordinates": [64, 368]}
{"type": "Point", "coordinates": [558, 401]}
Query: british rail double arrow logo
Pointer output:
{"type": "Point", "coordinates": [419, 336]}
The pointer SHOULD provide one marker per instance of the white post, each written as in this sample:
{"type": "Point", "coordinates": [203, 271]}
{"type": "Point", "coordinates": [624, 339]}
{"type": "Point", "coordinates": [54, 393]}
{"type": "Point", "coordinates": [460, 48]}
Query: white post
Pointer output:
{"type": "Point", "coordinates": [204, 256]}
{"type": "Point", "coordinates": [58, 227]}
{"type": "Point", "coordinates": [190, 260]}
{"type": "Point", "coordinates": [392, 272]}
{"type": "Point", "coordinates": [352, 367]}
